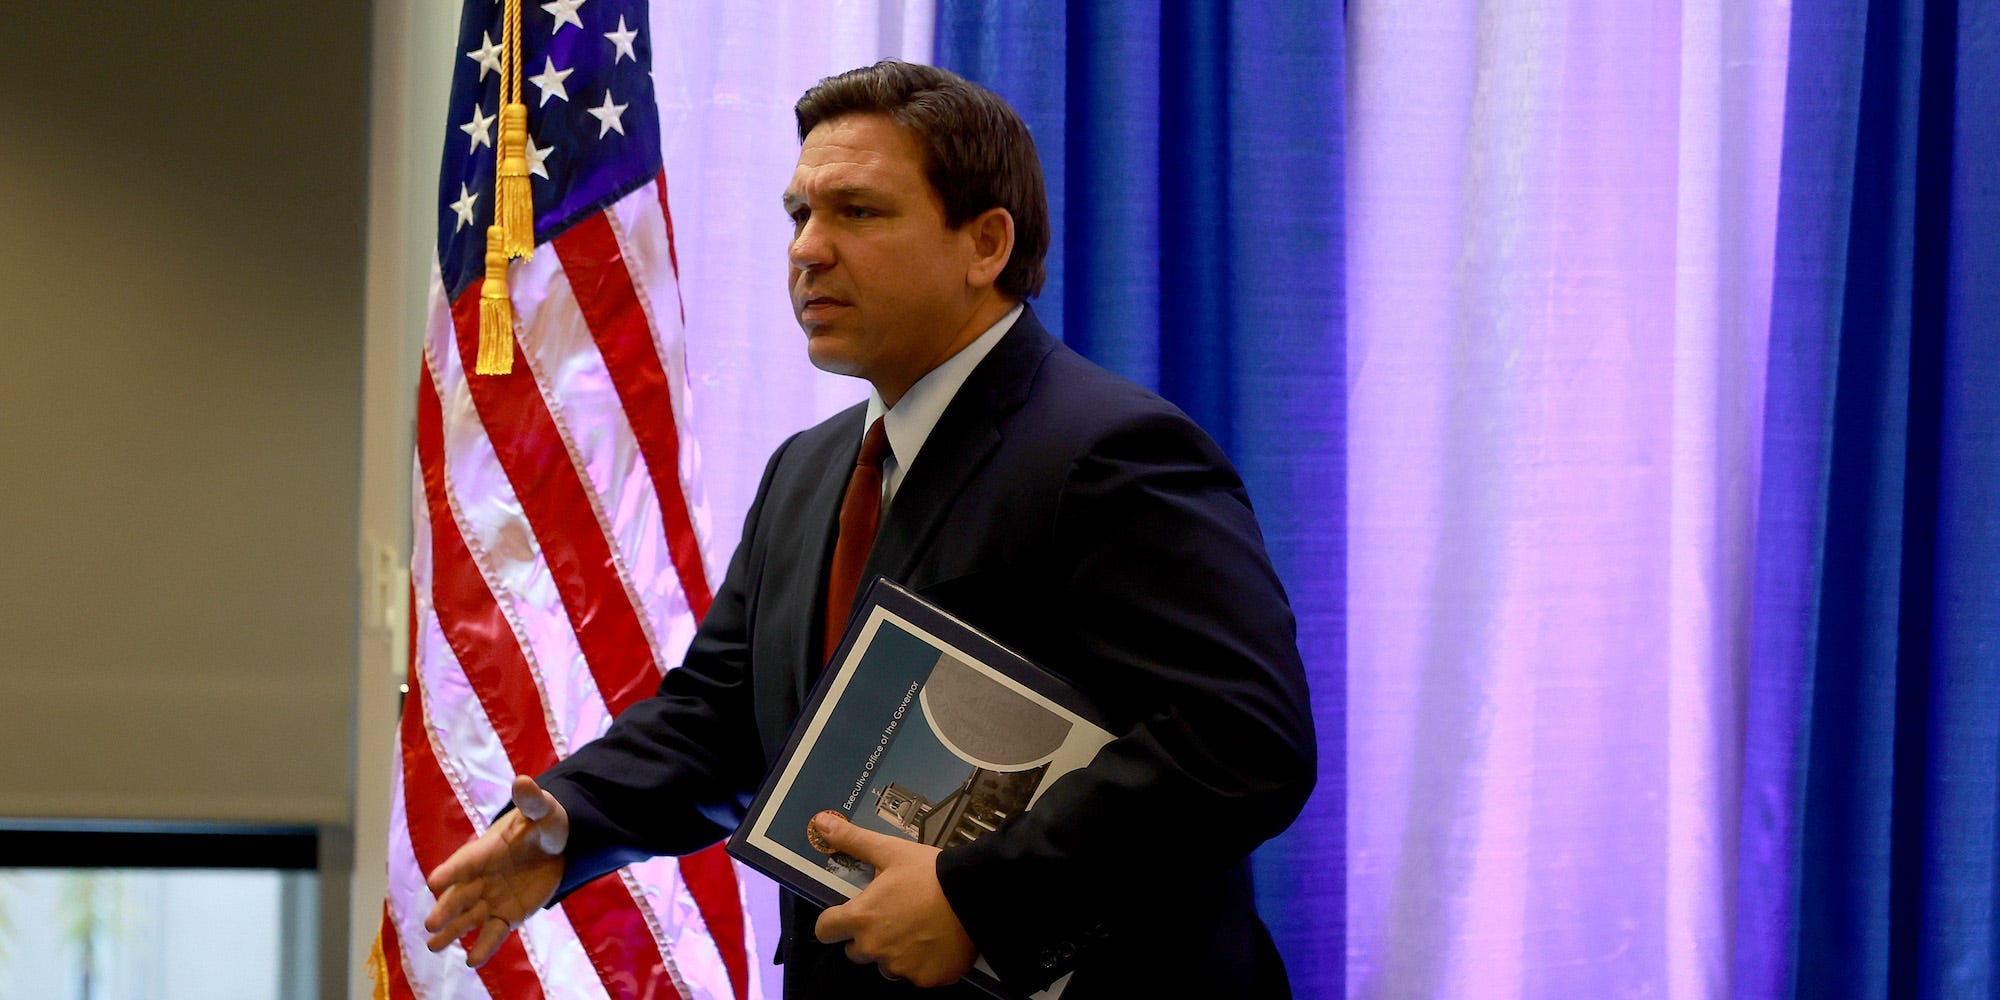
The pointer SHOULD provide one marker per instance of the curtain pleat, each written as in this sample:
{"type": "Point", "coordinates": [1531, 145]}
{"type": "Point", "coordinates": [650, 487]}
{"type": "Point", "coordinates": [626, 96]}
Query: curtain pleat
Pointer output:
{"type": "Point", "coordinates": [1873, 733]}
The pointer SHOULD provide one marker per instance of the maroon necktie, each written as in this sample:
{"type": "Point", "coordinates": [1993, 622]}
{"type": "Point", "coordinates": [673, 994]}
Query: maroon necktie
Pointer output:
{"type": "Point", "coordinates": [860, 510]}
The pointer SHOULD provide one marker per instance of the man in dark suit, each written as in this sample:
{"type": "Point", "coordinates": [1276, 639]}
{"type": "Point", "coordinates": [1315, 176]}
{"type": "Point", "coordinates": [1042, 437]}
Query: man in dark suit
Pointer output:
{"type": "Point", "coordinates": [1072, 515]}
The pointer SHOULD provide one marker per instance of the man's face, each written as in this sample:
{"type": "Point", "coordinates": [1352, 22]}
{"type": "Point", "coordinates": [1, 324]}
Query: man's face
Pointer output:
{"type": "Point", "coordinates": [879, 283]}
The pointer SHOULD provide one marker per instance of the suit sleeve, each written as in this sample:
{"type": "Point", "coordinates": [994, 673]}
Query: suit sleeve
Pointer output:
{"type": "Point", "coordinates": [1182, 633]}
{"type": "Point", "coordinates": [674, 773]}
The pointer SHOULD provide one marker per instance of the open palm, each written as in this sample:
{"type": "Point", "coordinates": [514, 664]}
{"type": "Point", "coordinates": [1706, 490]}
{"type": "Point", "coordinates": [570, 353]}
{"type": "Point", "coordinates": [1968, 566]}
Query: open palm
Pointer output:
{"type": "Point", "coordinates": [497, 880]}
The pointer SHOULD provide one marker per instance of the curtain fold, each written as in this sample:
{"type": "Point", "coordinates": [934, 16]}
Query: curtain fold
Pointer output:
{"type": "Point", "coordinates": [1560, 220]}
{"type": "Point", "coordinates": [1872, 770]}
{"type": "Point", "coordinates": [1194, 158]}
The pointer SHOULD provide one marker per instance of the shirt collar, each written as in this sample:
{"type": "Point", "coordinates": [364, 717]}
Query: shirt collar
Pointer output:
{"type": "Point", "coordinates": [910, 422]}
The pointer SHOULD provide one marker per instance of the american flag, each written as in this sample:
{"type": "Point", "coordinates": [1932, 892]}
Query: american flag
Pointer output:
{"type": "Point", "coordinates": [557, 555]}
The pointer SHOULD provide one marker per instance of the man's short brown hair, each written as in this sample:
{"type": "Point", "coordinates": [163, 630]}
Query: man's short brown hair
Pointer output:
{"type": "Point", "coordinates": [978, 153]}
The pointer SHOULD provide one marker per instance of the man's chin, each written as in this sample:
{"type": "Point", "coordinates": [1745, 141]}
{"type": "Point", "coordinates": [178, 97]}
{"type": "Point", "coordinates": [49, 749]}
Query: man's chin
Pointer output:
{"type": "Point", "coordinates": [827, 356]}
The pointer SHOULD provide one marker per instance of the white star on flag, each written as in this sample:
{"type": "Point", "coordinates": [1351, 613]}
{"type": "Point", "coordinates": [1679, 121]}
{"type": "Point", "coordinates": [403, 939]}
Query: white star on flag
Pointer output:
{"type": "Point", "coordinates": [550, 79]}
{"type": "Point", "coordinates": [608, 115]}
{"type": "Point", "coordinates": [463, 206]}
{"type": "Point", "coordinates": [565, 12]}
{"type": "Point", "coordinates": [538, 158]}
{"type": "Point", "coordinates": [487, 55]}
{"type": "Point", "coordinates": [480, 128]}
{"type": "Point", "coordinates": [623, 39]}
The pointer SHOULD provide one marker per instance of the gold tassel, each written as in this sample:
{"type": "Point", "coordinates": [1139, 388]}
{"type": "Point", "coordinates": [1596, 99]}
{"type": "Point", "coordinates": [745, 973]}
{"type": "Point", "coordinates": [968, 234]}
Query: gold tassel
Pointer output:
{"type": "Point", "coordinates": [513, 231]}
{"type": "Point", "coordinates": [515, 206]}
{"type": "Point", "coordinates": [378, 969]}
{"type": "Point", "coordinates": [496, 312]}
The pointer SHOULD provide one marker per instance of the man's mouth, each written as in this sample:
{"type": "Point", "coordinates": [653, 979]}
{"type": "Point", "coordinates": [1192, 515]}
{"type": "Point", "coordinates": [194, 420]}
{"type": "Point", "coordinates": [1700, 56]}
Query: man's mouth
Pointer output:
{"type": "Point", "coordinates": [816, 305]}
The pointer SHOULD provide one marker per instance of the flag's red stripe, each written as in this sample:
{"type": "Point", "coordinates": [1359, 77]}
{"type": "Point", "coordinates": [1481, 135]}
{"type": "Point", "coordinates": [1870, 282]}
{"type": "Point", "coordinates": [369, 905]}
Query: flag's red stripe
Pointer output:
{"type": "Point", "coordinates": [392, 942]}
{"type": "Point", "coordinates": [673, 253]}
{"type": "Point", "coordinates": [479, 635]}
{"type": "Point", "coordinates": [604, 914]}
{"type": "Point", "coordinates": [559, 512]}
{"type": "Point", "coordinates": [437, 827]}
{"type": "Point", "coordinates": [622, 947]}
{"type": "Point", "coordinates": [595, 266]}
{"type": "Point", "coordinates": [711, 880]}
{"type": "Point", "coordinates": [597, 275]}
{"type": "Point", "coordinates": [392, 959]}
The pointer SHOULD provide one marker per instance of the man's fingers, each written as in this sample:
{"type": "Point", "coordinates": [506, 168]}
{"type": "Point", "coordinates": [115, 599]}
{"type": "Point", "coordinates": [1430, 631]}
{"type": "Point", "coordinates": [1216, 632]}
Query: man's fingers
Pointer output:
{"type": "Point", "coordinates": [493, 931]}
{"type": "Point", "coordinates": [456, 869]}
{"type": "Point", "coordinates": [847, 838]}
{"type": "Point", "coordinates": [457, 900]}
{"type": "Point", "coordinates": [457, 924]}
{"type": "Point", "coordinates": [835, 925]}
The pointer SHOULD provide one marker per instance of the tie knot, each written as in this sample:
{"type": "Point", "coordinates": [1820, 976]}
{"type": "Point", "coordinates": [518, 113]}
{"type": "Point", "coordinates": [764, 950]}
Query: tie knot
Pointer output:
{"type": "Point", "coordinates": [874, 446]}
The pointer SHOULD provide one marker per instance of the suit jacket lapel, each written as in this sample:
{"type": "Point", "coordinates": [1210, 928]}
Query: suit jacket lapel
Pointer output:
{"type": "Point", "coordinates": [964, 439]}
{"type": "Point", "coordinates": [818, 529]}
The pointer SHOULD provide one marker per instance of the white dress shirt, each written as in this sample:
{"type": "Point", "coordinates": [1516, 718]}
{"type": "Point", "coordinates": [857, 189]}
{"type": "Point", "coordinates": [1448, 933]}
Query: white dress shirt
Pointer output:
{"type": "Point", "coordinates": [910, 422]}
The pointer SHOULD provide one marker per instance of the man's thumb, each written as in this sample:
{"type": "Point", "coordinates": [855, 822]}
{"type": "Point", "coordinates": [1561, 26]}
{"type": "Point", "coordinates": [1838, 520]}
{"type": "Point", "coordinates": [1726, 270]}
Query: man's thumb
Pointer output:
{"type": "Point", "coordinates": [536, 805]}
{"type": "Point", "coordinates": [528, 798]}
{"type": "Point", "coordinates": [833, 830]}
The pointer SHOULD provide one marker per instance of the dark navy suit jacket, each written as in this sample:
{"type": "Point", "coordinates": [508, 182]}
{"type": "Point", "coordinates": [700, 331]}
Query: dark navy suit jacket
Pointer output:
{"type": "Point", "coordinates": [1092, 526]}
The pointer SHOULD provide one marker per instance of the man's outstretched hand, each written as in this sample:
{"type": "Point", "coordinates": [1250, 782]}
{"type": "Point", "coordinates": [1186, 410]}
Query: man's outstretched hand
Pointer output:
{"type": "Point", "coordinates": [901, 921]}
{"type": "Point", "coordinates": [493, 883]}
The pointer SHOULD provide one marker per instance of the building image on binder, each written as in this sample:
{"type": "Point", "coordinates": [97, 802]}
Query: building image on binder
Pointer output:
{"type": "Point", "coordinates": [922, 728]}
{"type": "Point", "coordinates": [975, 809]}
{"type": "Point", "coordinates": [996, 743]}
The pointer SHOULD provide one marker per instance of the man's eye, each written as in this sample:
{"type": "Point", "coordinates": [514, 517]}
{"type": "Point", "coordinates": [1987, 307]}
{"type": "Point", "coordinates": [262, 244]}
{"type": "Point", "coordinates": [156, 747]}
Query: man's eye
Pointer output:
{"type": "Point", "coordinates": [858, 212]}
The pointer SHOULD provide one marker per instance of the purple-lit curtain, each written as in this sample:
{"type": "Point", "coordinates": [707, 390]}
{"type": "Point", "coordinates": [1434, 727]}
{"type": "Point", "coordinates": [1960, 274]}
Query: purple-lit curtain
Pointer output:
{"type": "Point", "coordinates": [1560, 221]}
{"type": "Point", "coordinates": [1619, 387]}
{"type": "Point", "coordinates": [1870, 861]}
{"type": "Point", "coordinates": [1193, 151]}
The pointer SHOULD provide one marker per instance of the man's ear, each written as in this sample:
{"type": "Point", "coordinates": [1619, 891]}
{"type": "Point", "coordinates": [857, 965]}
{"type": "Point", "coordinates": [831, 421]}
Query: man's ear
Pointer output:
{"type": "Point", "coordinates": [992, 236]}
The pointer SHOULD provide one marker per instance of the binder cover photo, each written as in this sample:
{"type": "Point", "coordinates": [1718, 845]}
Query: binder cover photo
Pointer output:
{"type": "Point", "coordinates": [922, 728]}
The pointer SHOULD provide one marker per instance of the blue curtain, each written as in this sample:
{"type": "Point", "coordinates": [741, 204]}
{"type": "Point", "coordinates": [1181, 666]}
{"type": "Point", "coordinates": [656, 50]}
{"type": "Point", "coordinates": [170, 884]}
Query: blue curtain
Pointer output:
{"type": "Point", "coordinates": [1195, 178]}
{"type": "Point", "coordinates": [1872, 753]}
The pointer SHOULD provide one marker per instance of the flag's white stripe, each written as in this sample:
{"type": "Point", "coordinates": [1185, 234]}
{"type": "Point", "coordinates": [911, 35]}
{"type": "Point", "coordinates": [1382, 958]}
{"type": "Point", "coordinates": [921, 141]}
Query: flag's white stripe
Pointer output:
{"type": "Point", "coordinates": [473, 759]}
{"type": "Point", "coordinates": [481, 763]}
{"type": "Point", "coordinates": [461, 735]}
{"type": "Point", "coordinates": [497, 533]}
{"type": "Point", "coordinates": [640, 226]}
{"type": "Point", "coordinates": [483, 766]}
{"type": "Point", "coordinates": [677, 922]}
{"type": "Point", "coordinates": [468, 749]}
{"type": "Point", "coordinates": [577, 387]}
{"type": "Point", "coordinates": [646, 880]}
{"type": "Point", "coordinates": [432, 977]}
{"type": "Point", "coordinates": [589, 415]}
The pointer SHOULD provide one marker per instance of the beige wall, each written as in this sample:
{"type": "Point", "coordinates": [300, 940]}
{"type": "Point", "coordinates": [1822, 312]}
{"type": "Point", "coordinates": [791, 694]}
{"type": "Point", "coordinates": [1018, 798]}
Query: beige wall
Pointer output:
{"type": "Point", "coordinates": [180, 302]}
{"type": "Point", "coordinates": [180, 409]}
{"type": "Point", "coordinates": [196, 449]}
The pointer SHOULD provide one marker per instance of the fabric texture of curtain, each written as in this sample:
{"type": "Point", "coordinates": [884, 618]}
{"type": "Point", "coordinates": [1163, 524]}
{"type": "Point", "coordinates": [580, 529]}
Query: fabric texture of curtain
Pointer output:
{"type": "Point", "coordinates": [1619, 388]}
{"type": "Point", "coordinates": [1872, 772]}
{"type": "Point", "coordinates": [1560, 221]}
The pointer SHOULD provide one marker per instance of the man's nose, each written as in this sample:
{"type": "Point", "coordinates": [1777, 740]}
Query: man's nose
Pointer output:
{"type": "Point", "coordinates": [810, 250]}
